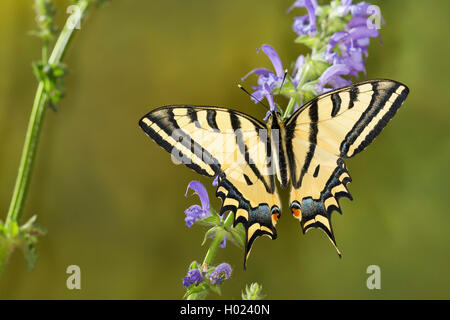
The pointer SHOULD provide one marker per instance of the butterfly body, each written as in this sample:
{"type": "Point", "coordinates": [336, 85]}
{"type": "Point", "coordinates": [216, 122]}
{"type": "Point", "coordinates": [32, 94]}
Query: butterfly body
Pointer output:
{"type": "Point", "coordinates": [307, 149]}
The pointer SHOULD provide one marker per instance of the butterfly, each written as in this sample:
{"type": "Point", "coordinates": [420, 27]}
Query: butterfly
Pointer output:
{"type": "Point", "coordinates": [308, 149]}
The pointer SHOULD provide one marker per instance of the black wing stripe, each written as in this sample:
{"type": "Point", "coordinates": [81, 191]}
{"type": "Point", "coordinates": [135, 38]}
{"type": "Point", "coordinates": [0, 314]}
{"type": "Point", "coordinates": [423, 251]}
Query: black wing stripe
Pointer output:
{"type": "Point", "coordinates": [170, 127]}
{"type": "Point", "coordinates": [172, 149]}
{"type": "Point", "coordinates": [192, 114]}
{"type": "Point", "coordinates": [382, 122]}
{"type": "Point", "coordinates": [186, 140]}
{"type": "Point", "coordinates": [313, 131]}
{"type": "Point", "coordinates": [377, 103]}
{"type": "Point", "coordinates": [211, 118]}
{"type": "Point", "coordinates": [359, 126]}
{"type": "Point", "coordinates": [336, 104]}
{"type": "Point", "coordinates": [353, 96]}
{"type": "Point", "coordinates": [290, 153]}
{"type": "Point", "coordinates": [243, 148]}
{"type": "Point", "coordinates": [280, 150]}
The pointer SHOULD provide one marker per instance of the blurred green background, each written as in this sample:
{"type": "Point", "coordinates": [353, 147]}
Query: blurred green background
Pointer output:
{"type": "Point", "coordinates": [112, 201]}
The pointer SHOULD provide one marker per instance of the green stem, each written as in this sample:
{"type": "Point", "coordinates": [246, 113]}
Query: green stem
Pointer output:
{"type": "Point", "coordinates": [28, 156]}
{"type": "Point", "coordinates": [211, 253]}
{"type": "Point", "coordinates": [4, 253]}
{"type": "Point", "coordinates": [216, 241]}
{"type": "Point", "coordinates": [35, 124]}
{"type": "Point", "coordinates": [289, 108]}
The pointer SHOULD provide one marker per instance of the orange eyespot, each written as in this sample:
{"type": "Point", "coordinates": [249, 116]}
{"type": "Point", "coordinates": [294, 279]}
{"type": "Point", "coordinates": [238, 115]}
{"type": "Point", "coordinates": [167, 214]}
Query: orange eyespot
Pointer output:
{"type": "Point", "coordinates": [296, 212]}
{"type": "Point", "coordinates": [275, 211]}
{"type": "Point", "coordinates": [295, 209]}
{"type": "Point", "coordinates": [275, 216]}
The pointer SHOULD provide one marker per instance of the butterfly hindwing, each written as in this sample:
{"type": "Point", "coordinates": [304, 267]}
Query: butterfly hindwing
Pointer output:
{"type": "Point", "coordinates": [231, 146]}
{"type": "Point", "coordinates": [258, 218]}
{"type": "Point", "coordinates": [323, 132]}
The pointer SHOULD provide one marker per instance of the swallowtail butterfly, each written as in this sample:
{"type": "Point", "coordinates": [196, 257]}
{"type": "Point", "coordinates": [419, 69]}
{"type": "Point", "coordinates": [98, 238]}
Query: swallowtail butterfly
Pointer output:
{"type": "Point", "coordinates": [308, 149]}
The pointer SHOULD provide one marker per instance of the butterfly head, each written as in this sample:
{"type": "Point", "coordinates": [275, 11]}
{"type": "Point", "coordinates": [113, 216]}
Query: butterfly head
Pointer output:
{"type": "Point", "coordinates": [274, 119]}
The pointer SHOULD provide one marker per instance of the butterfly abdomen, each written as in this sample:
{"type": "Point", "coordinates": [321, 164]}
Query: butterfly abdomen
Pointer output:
{"type": "Point", "coordinates": [278, 156]}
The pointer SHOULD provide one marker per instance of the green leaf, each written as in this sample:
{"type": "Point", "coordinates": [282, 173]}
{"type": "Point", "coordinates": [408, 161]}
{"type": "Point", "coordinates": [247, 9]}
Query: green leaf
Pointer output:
{"type": "Point", "coordinates": [58, 71]}
{"type": "Point", "coordinates": [26, 237]}
{"type": "Point", "coordinates": [237, 235]}
{"type": "Point", "coordinates": [31, 255]}
{"type": "Point", "coordinates": [14, 231]}
{"type": "Point", "coordinates": [253, 292]}
{"type": "Point", "coordinates": [214, 213]}
{"type": "Point", "coordinates": [307, 40]}
{"type": "Point", "coordinates": [211, 233]}
{"type": "Point", "coordinates": [212, 220]}
{"type": "Point", "coordinates": [193, 265]}
{"type": "Point", "coordinates": [195, 290]}
{"type": "Point", "coordinates": [216, 289]}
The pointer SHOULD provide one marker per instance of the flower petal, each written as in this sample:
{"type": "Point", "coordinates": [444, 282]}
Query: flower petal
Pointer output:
{"type": "Point", "coordinates": [298, 70]}
{"type": "Point", "coordinates": [193, 214]}
{"type": "Point", "coordinates": [274, 58]}
{"type": "Point", "coordinates": [199, 190]}
{"type": "Point", "coordinates": [269, 97]}
{"type": "Point", "coordinates": [215, 182]}
{"type": "Point", "coordinates": [223, 244]}
{"type": "Point", "coordinates": [258, 71]}
{"type": "Point", "coordinates": [220, 273]}
{"type": "Point", "coordinates": [306, 24]}
{"type": "Point", "coordinates": [360, 9]}
{"type": "Point", "coordinates": [357, 21]}
{"type": "Point", "coordinates": [335, 39]}
{"type": "Point", "coordinates": [331, 75]}
{"type": "Point", "coordinates": [344, 8]}
{"type": "Point", "coordinates": [193, 276]}
{"type": "Point", "coordinates": [363, 32]}
{"type": "Point", "coordinates": [308, 4]}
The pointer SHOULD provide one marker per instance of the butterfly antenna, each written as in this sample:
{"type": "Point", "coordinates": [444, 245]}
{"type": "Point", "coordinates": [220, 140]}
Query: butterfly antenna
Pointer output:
{"type": "Point", "coordinates": [284, 79]}
{"type": "Point", "coordinates": [282, 82]}
{"type": "Point", "coordinates": [259, 101]}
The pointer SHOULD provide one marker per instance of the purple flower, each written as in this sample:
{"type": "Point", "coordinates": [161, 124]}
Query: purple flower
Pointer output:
{"type": "Point", "coordinates": [344, 8]}
{"type": "Point", "coordinates": [298, 70]}
{"type": "Point", "coordinates": [332, 76]}
{"type": "Point", "coordinates": [193, 276]}
{"type": "Point", "coordinates": [220, 273]}
{"type": "Point", "coordinates": [223, 244]}
{"type": "Point", "coordinates": [335, 39]}
{"type": "Point", "coordinates": [360, 9]}
{"type": "Point", "coordinates": [355, 38]}
{"type": "Point", "coordinates": [195, 212]}
{"type": "Point", "coordinates": [351, 44]}
{"type": "Point", "coordinates": [267, 80]}
{"type": "Point", "coordinates": [305, 25]}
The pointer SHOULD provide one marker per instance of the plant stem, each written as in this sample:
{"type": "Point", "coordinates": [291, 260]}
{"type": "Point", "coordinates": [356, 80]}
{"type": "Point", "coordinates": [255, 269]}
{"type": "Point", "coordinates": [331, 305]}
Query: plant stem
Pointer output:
{"type": "Point", "coordinates": [35, 123]}
{"type": "Point", "coordinates": [289, 108]}
{"type": "Point", "coordinates": [217, 240]}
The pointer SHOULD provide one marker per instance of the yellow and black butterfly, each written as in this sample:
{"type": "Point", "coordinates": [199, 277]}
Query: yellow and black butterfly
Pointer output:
{"type": "Point", "coordinates": [308, 148]}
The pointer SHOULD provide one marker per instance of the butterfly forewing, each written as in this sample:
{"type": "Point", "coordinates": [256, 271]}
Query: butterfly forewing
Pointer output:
{"type": "Point", "coordinates": [327, 129]}
{"type": "Point", "coordinates": [230, 145]}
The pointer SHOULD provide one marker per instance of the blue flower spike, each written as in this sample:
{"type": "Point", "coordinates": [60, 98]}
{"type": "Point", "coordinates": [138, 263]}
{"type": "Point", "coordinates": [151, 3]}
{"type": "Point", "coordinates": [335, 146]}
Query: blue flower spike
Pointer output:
{"type": "Point", "coordinates": [194, 276]}
{"type": "Point", "coordinates": [220, 273]}
{"type": "Point", "coordinates": [196, 212]}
